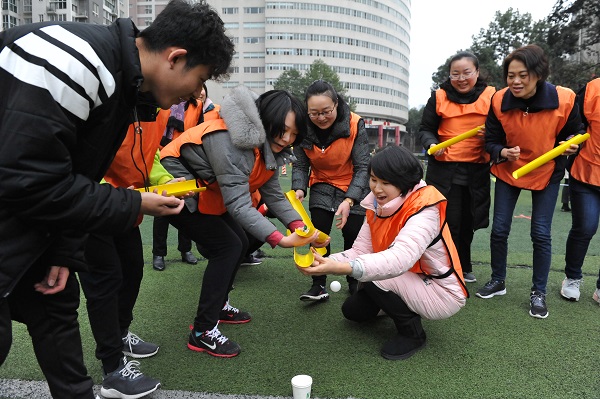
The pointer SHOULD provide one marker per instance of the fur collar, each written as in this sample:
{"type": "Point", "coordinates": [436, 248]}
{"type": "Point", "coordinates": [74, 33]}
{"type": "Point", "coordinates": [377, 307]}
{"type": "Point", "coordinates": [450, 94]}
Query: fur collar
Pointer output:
{"type": "Point", "coordinates": [240, 114]}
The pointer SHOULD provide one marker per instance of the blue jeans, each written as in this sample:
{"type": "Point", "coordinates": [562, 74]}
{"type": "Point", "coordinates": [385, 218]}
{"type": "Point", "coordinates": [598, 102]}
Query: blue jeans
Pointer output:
{"type": "Point", "coordinates": [585, 208]}
{"type": "Point", "coordinates": [543, 204]}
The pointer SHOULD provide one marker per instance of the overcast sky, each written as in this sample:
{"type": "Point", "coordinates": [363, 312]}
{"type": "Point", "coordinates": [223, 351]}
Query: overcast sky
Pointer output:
{"type": "Point", "coordinates": [440, 28]}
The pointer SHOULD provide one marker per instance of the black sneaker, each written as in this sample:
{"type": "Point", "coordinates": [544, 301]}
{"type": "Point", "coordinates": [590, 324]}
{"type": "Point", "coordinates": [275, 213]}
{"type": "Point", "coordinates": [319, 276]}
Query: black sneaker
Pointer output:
{"type": "Point", "coordinates": [213, 342]}
{"type": "Point", "coordinates": [232, 315]}
{"type": "Point", "coordinates": [260, 254]}
{"type": "Point", "coordinates": [316, 293]}
{"type": "Point", "coordinates": [251, 260]}
{"type": "Point", "coordinates": [128, 382]}
{"type": "Point", "coordinates": [137, 348]}
{"type": "Point", "coordinates": [491, 288]}
{"type": "Point", "coordinates": [537, 305]}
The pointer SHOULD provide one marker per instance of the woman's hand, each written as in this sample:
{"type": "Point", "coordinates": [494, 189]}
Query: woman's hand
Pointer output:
{"type": "Point", "coordinates": [512, 154]}
{"type": "Point", "coordinates": [295, 240]}
{"type": "Point", "coordinates": [438, 152]}
{"type": "Point", "coordinates": [322, 266]}
{"type": "Point", "coordinates": [342, 214]}
{"type": "Point", "coordinates": [571, 150]}
{"type": "Point", "coordinates": [300, 195]}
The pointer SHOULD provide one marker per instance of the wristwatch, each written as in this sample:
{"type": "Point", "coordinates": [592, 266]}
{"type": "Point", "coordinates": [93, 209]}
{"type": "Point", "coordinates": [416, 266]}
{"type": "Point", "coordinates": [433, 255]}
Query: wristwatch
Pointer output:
{"type": "Point", "coordinates": [350, 201]}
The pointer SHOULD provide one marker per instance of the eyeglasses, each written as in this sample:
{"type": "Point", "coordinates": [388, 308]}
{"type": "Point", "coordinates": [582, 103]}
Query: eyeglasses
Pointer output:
{"type": "Point", "coordinates": [315, 115]}
{"type": "Point", "coordinates": [466, 75]}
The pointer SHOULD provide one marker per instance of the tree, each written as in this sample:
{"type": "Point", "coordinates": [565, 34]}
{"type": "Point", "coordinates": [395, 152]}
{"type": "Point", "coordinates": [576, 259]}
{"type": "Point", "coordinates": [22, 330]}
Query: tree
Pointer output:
{"type": "Point", "coordinates": [296, 83]}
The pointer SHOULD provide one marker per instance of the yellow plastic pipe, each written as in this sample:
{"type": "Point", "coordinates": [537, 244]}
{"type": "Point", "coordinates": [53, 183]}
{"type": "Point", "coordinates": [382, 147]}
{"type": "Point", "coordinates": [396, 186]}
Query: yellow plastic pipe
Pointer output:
{"type": "Point", "coordinates": [305, 260]}
{"type": "Point", "coordinates": [176, 189]}
{"type": "Point", "coordinates": [550, 155]}
{"type": "Point", "coordinates": [454, 140]}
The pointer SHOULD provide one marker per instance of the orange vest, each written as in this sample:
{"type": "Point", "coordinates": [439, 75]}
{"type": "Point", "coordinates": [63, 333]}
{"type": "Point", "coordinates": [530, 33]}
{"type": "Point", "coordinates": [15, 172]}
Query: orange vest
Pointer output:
{"type": "Point", "coordinates": [333, 165]}
{"type": "Point", "coordinates": [586, 166]}
{"type": "Point", "coordinates": [210, 201]}
{"type": "Point", "coordinates": [459, 118]}
{"type": "Point", "coordinates": [385, 230]}
{"type": "Point", "coordinates": [535, 134]}
{"type": "Point", "coordinates": [190, 119]}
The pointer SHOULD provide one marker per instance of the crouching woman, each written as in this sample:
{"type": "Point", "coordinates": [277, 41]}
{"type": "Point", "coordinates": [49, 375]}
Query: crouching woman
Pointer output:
{"type": "Point", "coordinates": [403, 257]}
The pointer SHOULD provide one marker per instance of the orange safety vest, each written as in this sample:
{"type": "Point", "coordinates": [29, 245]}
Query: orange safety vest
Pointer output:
{"type": "Point", "coordinates": [535, 134]}
{"type": "Point", "coordinates": [385, 229]}
{"type": "Point", "coordinates": [459, 118]}
{"type": "Point", "coordinates": [333, 165]}
{"type": "Point", "coordinates": [210, 201]}
{"type": "Point", "coordinates": [586, 166]}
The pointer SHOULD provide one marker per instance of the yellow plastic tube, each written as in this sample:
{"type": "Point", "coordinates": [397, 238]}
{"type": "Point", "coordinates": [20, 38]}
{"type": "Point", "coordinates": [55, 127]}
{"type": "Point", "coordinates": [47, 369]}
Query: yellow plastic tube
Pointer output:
{"type": "Point", "coordinates": [176, 189]}
{"type": "Point", "coordinates": [305, 260]}
{"type": "Point", "coordinates": [550, 155]}
{"type": "Point", "coordinates": [454, 140]}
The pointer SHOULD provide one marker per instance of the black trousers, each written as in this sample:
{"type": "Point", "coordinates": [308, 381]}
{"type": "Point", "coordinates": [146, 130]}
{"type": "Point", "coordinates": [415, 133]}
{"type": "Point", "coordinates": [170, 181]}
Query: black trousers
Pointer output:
{"type": "Point", "coordinates": [364, 305]}
{"type": "Point", "coordinates": [111, 288]}
{"type": "Point", "coordinates": [323, 220]}
{"type": "Point", "coordinates": [224, 245]}
{"type": "Point", "coordinates": [52, 324]}
{"type": "Point", "coordinates": [160, 231]}
{"type": "Point", "coordinates": [460, 223]}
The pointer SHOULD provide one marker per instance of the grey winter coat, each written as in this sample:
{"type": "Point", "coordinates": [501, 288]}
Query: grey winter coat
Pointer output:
{"type": "Point", "coordinates": [228, 157]}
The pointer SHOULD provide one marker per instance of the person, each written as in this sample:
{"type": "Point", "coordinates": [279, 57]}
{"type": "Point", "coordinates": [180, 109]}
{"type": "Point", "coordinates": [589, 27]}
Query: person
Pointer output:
{"type": "Point", "coordinates": [460, 172]}
{"type": "Point", "coordinates": [332, 160]}
{"type": "Point", "coordinates": [565, 196]}
{"type": "Point", "coordinates": [404, 256]}
{"type": "Point", "coordinates": [233, 156]}
{"type": "Point", "coordinates": [527, 119]}
{"type": "Point", "coordinates": [584, 183]}
{"type": "Point", "coordinates": [116, 264]}
{"type": "Point", "coordinates": [69, 93]}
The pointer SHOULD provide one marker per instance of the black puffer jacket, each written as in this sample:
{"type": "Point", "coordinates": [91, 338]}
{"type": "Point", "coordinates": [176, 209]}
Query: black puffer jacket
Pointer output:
{"type": "Point", "coordinates": [325, 196]}
{"type": "Point", "coordinates": [64, 111]}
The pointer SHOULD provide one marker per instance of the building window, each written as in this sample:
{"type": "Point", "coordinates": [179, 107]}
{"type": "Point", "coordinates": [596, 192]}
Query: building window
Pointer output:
{"type": "Point", "coordinates": [41, 18]}
{"type": "Point", "coordinates": [148, 9]}
{"type": "Point", "coordinates": [254, 40]}
{"type": "Point", "coordinates": [95, 9]}
{"type": "Point", "coordinates": [27, 6]}
{"type": "Point", "coordinates": [8, 22]}
{"type": "Point", "coordinates": [9, 5]}
{"type": "Point", "coordinates": [230, 10]}
{"type": "Point", "coordinates": [59, 4]}
{"type": "Point", "coordinates": [255, 69]}
{"type": "Point", "coordinates": [254, 10]}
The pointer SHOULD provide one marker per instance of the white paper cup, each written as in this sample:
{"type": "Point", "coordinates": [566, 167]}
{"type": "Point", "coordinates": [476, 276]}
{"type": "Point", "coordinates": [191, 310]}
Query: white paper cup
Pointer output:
{"type": "Point", "coordinates": [301, 385]}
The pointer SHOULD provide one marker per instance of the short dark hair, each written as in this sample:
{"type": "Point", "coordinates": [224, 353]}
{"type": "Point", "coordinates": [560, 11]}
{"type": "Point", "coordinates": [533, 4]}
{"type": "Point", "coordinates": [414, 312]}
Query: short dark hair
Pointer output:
{"type": "Point", "coordinates": [195, 27]}
{"type": "Point", "coordinates": [323, 88]}
{"type": "Point", "coordinates": [534, 59]}
{"type": "Point", "coordinates": [464, 54]}
{"type": "Point", "coordinates": [398, 166]}
{"type": "Point", "coordinates": [273, 107]}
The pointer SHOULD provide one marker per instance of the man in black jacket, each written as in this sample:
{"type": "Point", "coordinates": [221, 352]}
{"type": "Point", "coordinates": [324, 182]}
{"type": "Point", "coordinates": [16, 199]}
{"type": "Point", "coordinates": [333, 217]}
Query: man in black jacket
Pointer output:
{"type": "Point", "coordinates": [69, 92]}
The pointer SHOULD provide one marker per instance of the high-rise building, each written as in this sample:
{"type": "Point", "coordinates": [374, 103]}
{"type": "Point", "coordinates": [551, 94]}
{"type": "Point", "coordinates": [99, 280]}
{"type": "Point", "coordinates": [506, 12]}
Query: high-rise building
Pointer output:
{"type": "Point", "coordinates": [101, 12]}
{"type": "Point", "coordinates": [366, 42]}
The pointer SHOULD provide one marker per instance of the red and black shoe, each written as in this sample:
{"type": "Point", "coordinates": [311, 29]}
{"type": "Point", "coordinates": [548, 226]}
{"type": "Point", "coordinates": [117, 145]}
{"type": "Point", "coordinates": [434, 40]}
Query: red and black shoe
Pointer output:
{"type": "Point", "coordinates": [232, 315]}
{"type": "Point", "coordinates": [213, 342]}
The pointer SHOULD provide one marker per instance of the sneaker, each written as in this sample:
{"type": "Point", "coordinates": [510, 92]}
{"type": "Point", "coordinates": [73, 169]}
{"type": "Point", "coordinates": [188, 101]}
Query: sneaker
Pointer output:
{"type": "Point", "coordinates": [251, 260]}
{"type": "Point", "coordinates": [128, 382]}
{"type": "Point", "coordinates": [596, 295]}
{"type": "Point", "coordinates": [137, 348]}
{"type": "Point", "coordinates": [469, 277]}
{"type": "Point", "coordinates": [232, 315]}
{"type": "Point", "coordinates": [538, 305]}
{"type": "Point", "coordinates": [260, 254]}
{"type": "Point", "coordinates": [565, 208]}
{"type": "Point", "coordinates": [316, 293]}
{"type": "Point", "coordinates": [491, 288]}
{"type": "Point", "coordinates": [570, 288]}
{"type": "Point", "coordinates": [213, 342]}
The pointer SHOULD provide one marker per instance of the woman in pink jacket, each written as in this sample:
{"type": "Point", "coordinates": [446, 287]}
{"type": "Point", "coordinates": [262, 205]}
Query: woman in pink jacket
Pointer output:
{"type": "Point", "coordinates": [403, 256]}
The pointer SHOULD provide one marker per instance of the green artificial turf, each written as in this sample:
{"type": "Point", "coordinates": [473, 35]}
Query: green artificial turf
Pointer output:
{"type": "Point", "coordinates": [490, 349]}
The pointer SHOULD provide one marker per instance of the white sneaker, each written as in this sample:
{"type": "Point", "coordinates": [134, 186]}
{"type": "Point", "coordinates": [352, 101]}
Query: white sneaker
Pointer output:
{"type": "Point", "coordinates": [570, 288]}
{"type": "Point", "coordinates": [596, 295]}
